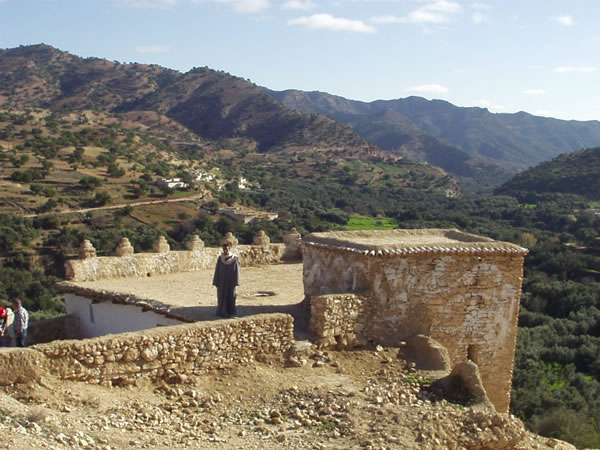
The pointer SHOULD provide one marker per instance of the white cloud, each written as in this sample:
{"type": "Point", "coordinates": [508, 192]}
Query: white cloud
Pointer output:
{"type": "Point", "coordinates": [428, 89]}
{"type": "Point", "coordinates": [437, 12]}
{"type": "Point", "coordinates": [241, 6]}
{"type": "Point", "coordinates": [564, 20]}
{"type": "Point", "coordinates": [441, 11]}
{"type": "Point", "coordinates": [247, 6]}
{"type": "Point", "coordinates": [152, 49]}
{"type": "Point", "coordinates": [331, 23]}
{"type": "Point", "coordinates": [567, 69]}
{"type": "Point", "coordinates": [479, 17]}
{"type": "Point", "coordinates": [303, 5]}
{"type": "Point", "coordinates": [534, 92]}
{"type": "Point", "coordinates": [164, 4]}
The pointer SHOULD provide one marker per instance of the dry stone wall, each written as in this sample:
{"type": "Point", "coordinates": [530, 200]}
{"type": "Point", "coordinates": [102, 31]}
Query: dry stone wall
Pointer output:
{"type": "Point", "coordinates": [342, 320]}
{"type": "Point", "coordinates": [468, 300]}
{"type": "Point", "coordinates": [164, 353]}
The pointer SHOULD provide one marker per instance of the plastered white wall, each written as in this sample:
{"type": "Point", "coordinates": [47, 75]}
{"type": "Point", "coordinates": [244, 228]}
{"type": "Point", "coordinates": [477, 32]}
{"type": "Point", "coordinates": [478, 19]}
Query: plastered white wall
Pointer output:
{"type": "Point", "coordinates": [99, 319]}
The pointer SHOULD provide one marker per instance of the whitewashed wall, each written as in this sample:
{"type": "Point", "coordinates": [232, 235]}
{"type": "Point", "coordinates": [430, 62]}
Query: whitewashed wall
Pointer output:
{"type": "Point", "coordinates": [99, 319]}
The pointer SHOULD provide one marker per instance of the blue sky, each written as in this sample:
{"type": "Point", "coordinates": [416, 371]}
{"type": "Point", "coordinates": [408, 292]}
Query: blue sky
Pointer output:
{"type": "Point", "coordinates": [539, 56]}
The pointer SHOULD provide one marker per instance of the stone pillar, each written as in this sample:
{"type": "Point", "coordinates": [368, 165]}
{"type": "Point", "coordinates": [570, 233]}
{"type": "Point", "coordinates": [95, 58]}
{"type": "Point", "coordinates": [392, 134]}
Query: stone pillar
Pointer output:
{"type": "Point", "coordinates": [229, 237]}
{"type": "Point", "coordinates": [293, 249]}
{"type": "Point", "coordinates": [261, 239]}
{"type": "Point", "coordinates": [161, 245]}
{"type": "Point", "coordinates": [194, 243]}
{"type": "Point", "coordinates": [86, 250]}
{"type": "Point", "coordinates": [124, 248]}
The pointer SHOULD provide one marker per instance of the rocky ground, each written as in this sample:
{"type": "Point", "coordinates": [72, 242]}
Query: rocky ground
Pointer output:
{"type": "Point", "coordinates": [367, 398]}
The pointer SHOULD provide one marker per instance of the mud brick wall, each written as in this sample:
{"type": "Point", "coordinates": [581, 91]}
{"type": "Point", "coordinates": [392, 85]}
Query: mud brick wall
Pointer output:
{"type": "Point", "coordinates": [164, 353]}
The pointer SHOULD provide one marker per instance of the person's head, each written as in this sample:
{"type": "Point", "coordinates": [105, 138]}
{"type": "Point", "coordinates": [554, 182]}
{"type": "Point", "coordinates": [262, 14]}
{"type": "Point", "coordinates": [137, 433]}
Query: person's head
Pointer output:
{"type": "Point", "coordinates": [16, 303]}
{"type": "Point", "coordinates": [226, 248]}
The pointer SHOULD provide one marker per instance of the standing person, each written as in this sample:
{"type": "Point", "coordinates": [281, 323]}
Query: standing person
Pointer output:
{"type": "Point", "coordinates": [3, 324]}
{"type": "Point", "coordinates": [226, 279]}
{"type": "Point", "coordinates": [20, 323]}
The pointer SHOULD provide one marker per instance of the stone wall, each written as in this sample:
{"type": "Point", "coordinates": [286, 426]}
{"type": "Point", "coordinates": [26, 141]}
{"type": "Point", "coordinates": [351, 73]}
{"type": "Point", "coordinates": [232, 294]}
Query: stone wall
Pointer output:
{"type": "Point", "coordinates": [342, 320]}
{"type": "Point", "coordinates": [468, 300]}
{"type": "Point", "coordinates": [164, 353]}
{"type": "Point", "coordinates": [135, 265]}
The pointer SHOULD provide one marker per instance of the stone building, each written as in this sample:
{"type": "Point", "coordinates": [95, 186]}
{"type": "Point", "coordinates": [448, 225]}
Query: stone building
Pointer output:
{"type": "Point", "coordinates": [460, 289]}
{"type": "Point", "coordinates": [384, 287]}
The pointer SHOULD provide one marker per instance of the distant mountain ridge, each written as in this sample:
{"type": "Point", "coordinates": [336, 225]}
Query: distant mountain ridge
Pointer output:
{"type": "Point", "coordinates": [209, 111]}
{"type": "Point", "coordinates": [571, 173]}
{"type": "Point", "coordinates": [212, 104]}
{"type": "Point", "coordinates": [474, 135]}
{"type": "Point", "coordinates": [203, 115]}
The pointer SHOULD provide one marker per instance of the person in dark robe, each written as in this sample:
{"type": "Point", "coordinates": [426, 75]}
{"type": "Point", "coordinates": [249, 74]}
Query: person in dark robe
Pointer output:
{"type": "Point", "coordinates": [226, 279]}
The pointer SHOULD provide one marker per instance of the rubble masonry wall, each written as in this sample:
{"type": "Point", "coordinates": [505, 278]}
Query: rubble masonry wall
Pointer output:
{"type": "Point", "coordinates": [467, 302]}
{"type": "Point", "coordinates": [161, 353]}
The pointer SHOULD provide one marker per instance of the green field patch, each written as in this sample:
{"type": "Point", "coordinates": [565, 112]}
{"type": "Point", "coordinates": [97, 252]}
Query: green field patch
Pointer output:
{"type": "Point", "coordinates": [370, 223]}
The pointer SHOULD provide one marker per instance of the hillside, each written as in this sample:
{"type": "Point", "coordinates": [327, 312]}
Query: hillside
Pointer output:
{"type": "Point", "coordinates": [214, 105]}
{"type": "Point", "coordinates": [67, 118]}
{"type": "Point", "coordinates": [507, 143]}
{"type": "Point", "coordinates": [571, 173]}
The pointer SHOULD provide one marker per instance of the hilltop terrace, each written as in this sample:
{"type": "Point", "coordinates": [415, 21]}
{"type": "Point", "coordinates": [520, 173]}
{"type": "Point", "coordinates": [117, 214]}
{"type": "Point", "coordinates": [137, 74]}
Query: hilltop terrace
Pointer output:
{"type": "Point", "coordinates": [190, 296]}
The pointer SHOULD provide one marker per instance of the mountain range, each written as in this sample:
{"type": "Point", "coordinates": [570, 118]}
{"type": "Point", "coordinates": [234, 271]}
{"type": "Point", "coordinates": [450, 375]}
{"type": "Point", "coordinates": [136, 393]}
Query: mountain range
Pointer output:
{"type": "Point", "coordinates": [463, 141]}
{"type": "Point", "coordinates": [214, 105]}
{"type": "Point", "coordinates": [203, 111]}
{"type": "Point", "coordinates": [64, 118]}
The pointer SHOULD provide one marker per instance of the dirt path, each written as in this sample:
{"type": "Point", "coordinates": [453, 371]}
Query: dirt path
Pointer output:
{"type": "Point", "coordinates": [123, 205]}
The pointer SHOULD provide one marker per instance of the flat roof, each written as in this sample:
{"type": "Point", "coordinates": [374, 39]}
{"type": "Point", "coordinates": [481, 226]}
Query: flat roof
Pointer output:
{"type": "Point", "coordinates": [190, 296]}
{"type": "Point", "coordinates": [403, 241]}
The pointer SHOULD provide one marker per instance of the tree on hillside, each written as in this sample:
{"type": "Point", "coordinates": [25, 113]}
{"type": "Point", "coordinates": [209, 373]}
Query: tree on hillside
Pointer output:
{"type": "Point", "coordinates": [90, 183]}
{"type": "Point", "coordinates": [115, 171]}
{"type": "Point", "coordinates": [76, 157]}
{"type": "Point", "coordinates": [102, 198]}
{"type": "Point", "coordinates": [18, 161]}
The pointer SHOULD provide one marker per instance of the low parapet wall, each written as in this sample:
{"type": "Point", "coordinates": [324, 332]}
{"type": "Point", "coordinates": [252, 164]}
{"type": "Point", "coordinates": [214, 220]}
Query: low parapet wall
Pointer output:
{"type": "Point", "coordinates": [138, 265]}
{"type": "Point", "coordinates": [164, 353]}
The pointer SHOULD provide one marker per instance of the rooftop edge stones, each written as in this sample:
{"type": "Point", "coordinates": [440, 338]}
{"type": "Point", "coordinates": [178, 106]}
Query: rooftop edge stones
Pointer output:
{"type": "Point", "coordinates": [382, 243]}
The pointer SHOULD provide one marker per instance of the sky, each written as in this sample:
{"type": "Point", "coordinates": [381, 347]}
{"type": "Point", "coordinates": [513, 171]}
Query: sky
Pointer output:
{"type": "Point", "coordinates": [538, 56]}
